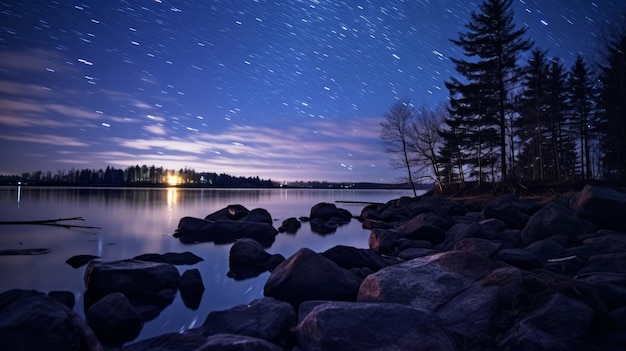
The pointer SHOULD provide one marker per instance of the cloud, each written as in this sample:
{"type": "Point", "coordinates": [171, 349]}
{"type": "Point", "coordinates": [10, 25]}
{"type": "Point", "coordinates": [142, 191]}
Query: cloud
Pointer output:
{"type": "Point", "coordinates": [155, 129]}
{"type": "Point", "coordinates": [49, 139]}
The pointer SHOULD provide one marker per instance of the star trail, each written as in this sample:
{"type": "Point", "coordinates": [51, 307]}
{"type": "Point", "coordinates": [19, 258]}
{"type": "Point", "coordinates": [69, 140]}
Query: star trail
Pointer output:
{"type": "Point", "coordinates": [288, 90]}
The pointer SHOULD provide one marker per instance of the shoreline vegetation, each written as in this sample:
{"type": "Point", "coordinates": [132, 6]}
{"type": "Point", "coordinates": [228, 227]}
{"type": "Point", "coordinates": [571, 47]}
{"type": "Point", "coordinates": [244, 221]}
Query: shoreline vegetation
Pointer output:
{"type": "Point", "coordinates": [144, 176]}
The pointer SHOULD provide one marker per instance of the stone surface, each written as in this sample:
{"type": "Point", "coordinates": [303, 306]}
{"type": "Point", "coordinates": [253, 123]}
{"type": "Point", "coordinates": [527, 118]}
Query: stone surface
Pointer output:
{"type": "Point", "coordinates": [80, 260]}
{"type": "Point", "coordinates": [553, 219]}
{"type": "Point", "coordinates": [114, 320]}
{"type": "Point", "coordinates": [182, 258]}
{"type": "Point", "coordinates": [248, 258]}
{"type": "Point", "coordinates": [194, 230]}
{"type": "Point", "coordinates": [168, 342]}
{"type": "Point", "coordinates": [290, 226]}
{"type": "Point", "coordinates": [426, 282]}
{"type": "Point", "coordinates": [349, 257]}
{"type": "Point", "coordinates": [32, 321]}
{"type": "Point", "coordinates": [369, 326]}
{"type": "Point", "coordinates": [231, 342]}
{"type": "Point", "coordinates": [265, 318]}
{"type": "Point", "coordinates": [191, 288]}
{"type": "Point", "coordinates": [601, 205]}
{"type": "Point", "coordinates": [310, 276]}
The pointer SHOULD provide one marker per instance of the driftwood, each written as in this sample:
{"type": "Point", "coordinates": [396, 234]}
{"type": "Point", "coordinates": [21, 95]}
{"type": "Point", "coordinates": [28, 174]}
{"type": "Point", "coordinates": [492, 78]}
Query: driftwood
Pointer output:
{"type": "Point", "coordinates": [54, 222]}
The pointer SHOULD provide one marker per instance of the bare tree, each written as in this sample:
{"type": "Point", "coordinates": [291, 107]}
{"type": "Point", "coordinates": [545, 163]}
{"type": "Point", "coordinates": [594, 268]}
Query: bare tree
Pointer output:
{"type": "Point", "coordinates": [425, 141]}
{"type": "Point", "coordinates": [395, 133]}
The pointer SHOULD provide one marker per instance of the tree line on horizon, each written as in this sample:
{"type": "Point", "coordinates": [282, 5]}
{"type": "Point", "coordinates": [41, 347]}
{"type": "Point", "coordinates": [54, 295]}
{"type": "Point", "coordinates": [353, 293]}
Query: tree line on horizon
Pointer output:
{"type": "Point", "coordinates": [508, 121]}
{"type": "Point", "coordinates": [138, 175]}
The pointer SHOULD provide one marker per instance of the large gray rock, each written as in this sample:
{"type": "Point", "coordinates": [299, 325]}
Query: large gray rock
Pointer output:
{"type": "Point", "coordinates": [230, 212]}
{"type": "Point", "coordinates": [508, 211]}
{"type": "Point", "coordinates": [114, 320]}
{"type": "Point", "coordinates": [191, 288]}
{"type": "Point", "coordinates": [169, 342]}
{"type": "Point", "coordinates": [310, 276]}
{"type": "Point", "coordinates": [265, 318]}
{"type": "Point", "coordinates": [248, 259]}
{"type": "Point", "coordinates": [177, 258]}
{"type": "Point", "coordinates": [551, 220]}
{"type": "Point", "coordinates": [32, 321]}
{"type": "Point", "coordinates": [349, 257]}
{"type": "Point", "coordinates": [384, 241]}
{"type": "Point", "coordinates": [475, 316]}
{"type": "Point", "coordinates": [369, 326]}
{"type": "Point", "coordinates": [231, 342]}
{"type": "Point", "coordinates": [561, 324]}
{"type": "Point", "coordinates": [138, 280]}
{"type": "Point", "coordinates": [603, 206]}
{"type": "Point", "coordinates": [426, 282]}
{"type": "Point", "coordinates": [194, 230]}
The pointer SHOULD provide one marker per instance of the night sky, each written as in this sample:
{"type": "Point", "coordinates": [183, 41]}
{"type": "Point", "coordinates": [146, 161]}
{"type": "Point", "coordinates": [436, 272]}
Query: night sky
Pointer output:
{"type": "Point", "coordinates": [286, 90]}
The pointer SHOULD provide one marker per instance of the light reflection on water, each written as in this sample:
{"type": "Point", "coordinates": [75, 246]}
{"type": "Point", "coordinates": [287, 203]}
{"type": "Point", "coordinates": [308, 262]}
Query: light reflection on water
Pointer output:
{"type": "Point", "coordinates": [135, 221]}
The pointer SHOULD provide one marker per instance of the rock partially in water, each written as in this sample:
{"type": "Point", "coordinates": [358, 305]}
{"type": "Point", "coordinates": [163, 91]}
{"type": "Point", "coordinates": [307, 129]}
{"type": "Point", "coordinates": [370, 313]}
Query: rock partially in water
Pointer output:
{"type": "Point", "coordinates": [248, 259]}
{"type": "Point", "coordinates": [182, 258]}
{"type": "Point", "coordinates": [114, 320]}
{"type": "Point", "coordinates": [80, 260]}
{"type": "Point", "coordinates": [191, 288]}
{"type": "Point", "coordinates": [194, 230]}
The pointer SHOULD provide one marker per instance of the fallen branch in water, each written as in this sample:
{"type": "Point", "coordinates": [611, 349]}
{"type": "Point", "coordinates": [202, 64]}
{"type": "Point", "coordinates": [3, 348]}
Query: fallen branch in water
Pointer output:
{"type": "Point", "coordinates": [54, 222]}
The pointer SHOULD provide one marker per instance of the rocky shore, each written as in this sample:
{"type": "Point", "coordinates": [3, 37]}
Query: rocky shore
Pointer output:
{"type": "Point", "coordinates": [441, 273]}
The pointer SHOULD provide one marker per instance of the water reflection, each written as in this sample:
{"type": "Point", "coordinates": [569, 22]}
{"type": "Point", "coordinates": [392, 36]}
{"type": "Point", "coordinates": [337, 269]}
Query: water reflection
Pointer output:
{"type": "Point", "coordinates": [140, 221]}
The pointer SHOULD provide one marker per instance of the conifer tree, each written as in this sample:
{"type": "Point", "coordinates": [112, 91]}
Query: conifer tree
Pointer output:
{"type": "Point", "coordinates": [612, 103]}
{"type": "Point", "coordinates": [481, 102]}
{"type": "Point", "coordinates": [581, 101]}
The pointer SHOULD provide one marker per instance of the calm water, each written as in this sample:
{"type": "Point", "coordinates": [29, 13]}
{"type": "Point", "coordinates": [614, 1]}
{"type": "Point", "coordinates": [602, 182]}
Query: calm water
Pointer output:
{"type": "Point", "coordinates": [137, 221]}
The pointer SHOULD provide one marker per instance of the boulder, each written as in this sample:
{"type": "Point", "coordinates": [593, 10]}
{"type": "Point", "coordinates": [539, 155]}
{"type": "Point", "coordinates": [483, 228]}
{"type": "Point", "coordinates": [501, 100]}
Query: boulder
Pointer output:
{"type": "Point", "coordinates": [519, 258]}
{"type": "Point", "coordinates": [553, 219]}
{"type": "Point", "coordinates": [546, 249]}
{"type": "Point", "coordinates": [606, 263]}
{"type": "Point", "coordinates": [192, 230]}
{"type": "Point", "coordinates": [183, 258]}
{"type": "Point", "coordinates": [131, 277]}
{"type": "Point", "coordinates": [349, 257]}
{"type": "Point", "coordinates": [561, 324]}
{"type": "Point", "coordinates": [310, 276]}
{"type": "Point", "coordinates": [384, 241]}
{"type": "Point", "coordinates": [323, 227]}
{"type": "Point", "coordinates": [290, 226]}
{"type": "Point", "coordinates": [603, 206]}
{"type": "Point", "coordinates": [191, 288]}
{"type": "Point", "coordinates": [606, 241]}
{"type": "Point", "coordinates": [230, 212]}
{"type": "Point", "coordinates": [248, 259]}
{"type": "Point", "coordinates": [415, 252]}
{"type": "Point", "coordinates": [32, 321]}
{"type": "Point", "coordinates": [461, 231]}
{"type": "Point", "coordinates": [480, 246]}
{"type": "Point", "coordinates": [264, 318]}
{"type": "Point", "coordinates": [476, 316]}
{"type": "Point", "coordinates": [258, 215]}
{"type": "Point", "coordinates": [80, 260]}
{"type": "Point", "coordinates": [231, 342]}
{"type": "Point", "coordinates": [327, 211]}
{"type": "Point", "coordinates": [507, 212]}
{"type": "Point", "coordinates": [144, 283]}
{"type": "Point", "coordinates": [65, 297]}
{"type": "Point", "coordinates": [611, 287]}
{"type": "Point", "coordinates": [169, 342]}
{"type": "Point", "coordinates": [114, 320]}
{"type": "Point", "coordinates": [369, 326]}
{"type": "Point", "coordinates": [426, 282]}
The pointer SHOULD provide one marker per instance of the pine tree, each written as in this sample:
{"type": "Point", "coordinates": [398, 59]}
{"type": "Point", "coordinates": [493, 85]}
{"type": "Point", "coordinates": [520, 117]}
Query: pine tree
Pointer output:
{"type": "Point", "coordinates": [556, 94]}
{"type": "Point", "coordinates": [581, 100]}
{"type": "Point", "coordinates": [612, 103]}
{"type": "Point", "coordinates": [532, 106]}
{"type": "Point", "coordinates": [493, 44]}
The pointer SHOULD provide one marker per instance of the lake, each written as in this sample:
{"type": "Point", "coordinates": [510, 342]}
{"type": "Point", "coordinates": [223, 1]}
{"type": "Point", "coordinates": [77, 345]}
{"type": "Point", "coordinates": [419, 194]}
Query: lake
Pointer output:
{"type": "Point", "coordinates": [136, 221]}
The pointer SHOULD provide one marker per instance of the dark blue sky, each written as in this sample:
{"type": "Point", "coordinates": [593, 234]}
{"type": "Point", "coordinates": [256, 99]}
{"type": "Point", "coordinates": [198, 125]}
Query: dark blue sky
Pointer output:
{"type": "Point", "coordinates": [280, 89]}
